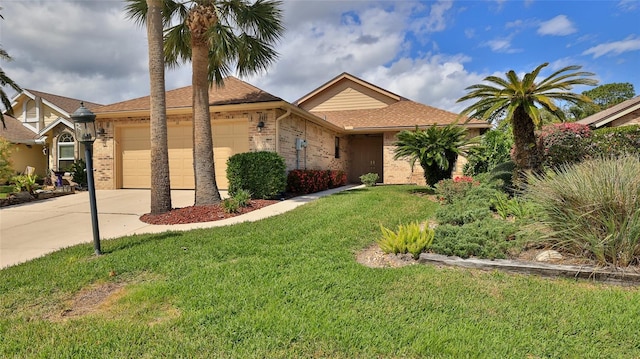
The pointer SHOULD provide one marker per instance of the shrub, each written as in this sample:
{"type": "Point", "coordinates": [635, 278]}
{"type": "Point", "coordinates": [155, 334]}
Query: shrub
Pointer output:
{"type": "Point", "coordinates": [592, 208]}
{"type": "Point", "coordinates": [263, 173]}
{"type": "Point", "coordinates": [25, 183]}
{"type": "Point", "coordinates": [369, 179]}
{"type": "Point", "coordinates": [450, 190]}
{"type": "Point", "coordinates": [79, 172]}
{"type": "Point", "coordinates": [494, 148]}
{"type": "Point", "coordinates": [243, 197]}
{"type": "Point", "coordinates": [6, 168]}
{"type": "Point", "coordinates": [489, 238]}
{"type": "Point", "coordinates": [337, 178]}
{"type": "Point", "coordinates": [517, 207]}
{"type": "Point", "coordinates": [230, 205]}
{"type": "Point", "coordinates": [409, 238]}
{"type": "Point", "coordinates": [564, 143]}
{"type": "Point", "coordinates": [615, 141]}
{"type": "Point", "coordinates": [502, 176]}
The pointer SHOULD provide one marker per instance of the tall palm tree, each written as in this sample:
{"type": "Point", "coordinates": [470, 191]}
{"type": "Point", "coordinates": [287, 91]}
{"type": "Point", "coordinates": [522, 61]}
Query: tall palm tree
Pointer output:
{"type": "Point", "coordinates": [160, 179]}
{"type": "Point", "coordinates": [522, 100]}
{"type": "Point", "coordinates": [6, 81]}
{"type": "Point", "coordinates": [217, 36]}
{"type": "Point", "coordinates": [435, 148]}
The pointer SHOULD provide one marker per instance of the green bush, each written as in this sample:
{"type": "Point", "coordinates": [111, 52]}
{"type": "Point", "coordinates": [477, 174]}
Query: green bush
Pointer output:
{"type": "Point", "coordinates": [489, 238]}
{"type": "Point", "coordinates": [79, 172]}
{"type": "Point", "coordinates": [409, 238]}
{"type": "Point", "coordinates": [615, 141]}
{"type": "Point", "coordinates": [516, 207]}
{"type": "Point", "coordinates": [25, 183]}
{"type": "Point", "coordinates": [6, 168]}
{"type": "Point", "coordinates": [369, 179]}
{"type": "Point", "coordinates": [243, 197]}
{"type": "Point", "coordinates": [494, 148]}
{"type": "Point", "coordinates": [263, 174]}
{"type": "Point", "coordinates": [450, 190]}
{"type": "Point", "coordinates": [230, 205]}
{"type": "Point", "coordinates": [592, 208]}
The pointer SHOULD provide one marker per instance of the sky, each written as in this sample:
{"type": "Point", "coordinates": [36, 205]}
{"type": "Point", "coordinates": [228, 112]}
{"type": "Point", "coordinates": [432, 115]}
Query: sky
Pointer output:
{"type": "Point", "coordinates": [427, 51]}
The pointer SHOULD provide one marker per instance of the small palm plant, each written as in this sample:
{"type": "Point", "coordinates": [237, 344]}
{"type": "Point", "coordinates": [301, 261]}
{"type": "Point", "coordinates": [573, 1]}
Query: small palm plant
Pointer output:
{"type": "Point", "coordinates": [435, 148]}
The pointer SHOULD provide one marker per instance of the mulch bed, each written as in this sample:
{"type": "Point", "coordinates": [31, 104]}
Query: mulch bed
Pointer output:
{"type": "Point", "coordinates": [197, 214]}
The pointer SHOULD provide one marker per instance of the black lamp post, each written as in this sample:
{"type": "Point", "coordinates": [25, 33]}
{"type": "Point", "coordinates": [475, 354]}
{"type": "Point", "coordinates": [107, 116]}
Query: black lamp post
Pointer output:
{"type": "Point", "coordinates": [85, 128]}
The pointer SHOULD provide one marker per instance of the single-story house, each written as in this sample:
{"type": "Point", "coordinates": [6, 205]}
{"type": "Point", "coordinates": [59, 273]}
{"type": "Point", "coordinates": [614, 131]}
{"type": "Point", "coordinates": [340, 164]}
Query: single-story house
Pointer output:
{"type": "Point", "coordinates": [45, 118]}
{"type": "Point", "coordinates": [346, 124]}
{"type": "Point", "coordinates": [622, 114]}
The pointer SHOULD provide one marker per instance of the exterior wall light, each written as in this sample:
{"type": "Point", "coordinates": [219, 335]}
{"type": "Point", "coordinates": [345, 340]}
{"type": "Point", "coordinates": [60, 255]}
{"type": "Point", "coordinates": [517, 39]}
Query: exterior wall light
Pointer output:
{"type": "Point", "coordinates": [260, 126]}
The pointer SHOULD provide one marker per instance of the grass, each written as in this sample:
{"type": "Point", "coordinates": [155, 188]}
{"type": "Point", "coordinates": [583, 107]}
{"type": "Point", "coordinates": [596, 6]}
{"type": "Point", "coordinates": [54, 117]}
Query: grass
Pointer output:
{"type": "Point", "coordinates": [289, 287]}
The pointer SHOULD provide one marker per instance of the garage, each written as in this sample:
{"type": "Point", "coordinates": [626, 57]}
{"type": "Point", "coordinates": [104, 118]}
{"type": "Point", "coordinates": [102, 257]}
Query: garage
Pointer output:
{"type": "Point", "coordinates": [229, 138]}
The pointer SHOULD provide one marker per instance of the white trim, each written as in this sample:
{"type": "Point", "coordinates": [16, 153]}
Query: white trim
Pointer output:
{"type": "Point", "coordinates": [55, 123]}
{"type": "Point", "coordinates": [616, 116]}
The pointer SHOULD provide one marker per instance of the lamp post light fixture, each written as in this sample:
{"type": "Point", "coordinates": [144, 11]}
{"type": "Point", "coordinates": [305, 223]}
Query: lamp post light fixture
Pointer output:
{"type": "Point", "coordinates": [85, 129]}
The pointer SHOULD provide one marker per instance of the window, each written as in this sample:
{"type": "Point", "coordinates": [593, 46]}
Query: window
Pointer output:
{"type": "Point", "coordinates": [66, 151]}
{"type": "Point", "coordinates": [337, 148]}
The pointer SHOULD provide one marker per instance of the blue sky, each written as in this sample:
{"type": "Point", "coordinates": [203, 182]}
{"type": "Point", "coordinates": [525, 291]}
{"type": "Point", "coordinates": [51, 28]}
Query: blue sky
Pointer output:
{"type": "Point", "coordinates": [428, 51]}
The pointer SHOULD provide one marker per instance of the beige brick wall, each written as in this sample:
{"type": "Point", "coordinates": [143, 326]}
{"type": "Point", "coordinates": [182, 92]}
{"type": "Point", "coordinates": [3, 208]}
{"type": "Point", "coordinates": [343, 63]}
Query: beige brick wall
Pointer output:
{"type": "Point", "coordinates": [320, 151]}
{"type": "Point", "coordinates": [400, 171]}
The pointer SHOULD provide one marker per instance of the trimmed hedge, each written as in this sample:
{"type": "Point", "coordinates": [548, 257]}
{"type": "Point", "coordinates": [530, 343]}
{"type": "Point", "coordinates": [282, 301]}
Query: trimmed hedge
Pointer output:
{"type": "Point", "coordinates": [262, 173]}
{"type": "Point", "coordinates": [311, 181]}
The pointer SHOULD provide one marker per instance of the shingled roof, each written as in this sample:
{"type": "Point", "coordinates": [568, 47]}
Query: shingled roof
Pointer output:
{"type": "Point", "coordinates": [16, 132]}
{"type": "Point", "coordinates": [404, 113]}
{"type": "Point", "coordinates": [612, 113]}
{"type": "Point", "coordinates": [235, 91]}
{"type": "Point", "coordinates": [67, 104]}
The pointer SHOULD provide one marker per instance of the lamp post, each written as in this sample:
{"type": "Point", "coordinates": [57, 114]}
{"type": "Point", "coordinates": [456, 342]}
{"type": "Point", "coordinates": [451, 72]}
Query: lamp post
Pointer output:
{"type": "Point", "coordinates": [85, 129]}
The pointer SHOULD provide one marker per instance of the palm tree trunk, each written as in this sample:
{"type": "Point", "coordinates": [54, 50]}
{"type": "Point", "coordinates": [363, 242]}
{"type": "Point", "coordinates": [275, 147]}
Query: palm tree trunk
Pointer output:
{"type": "Point", "coordinates": [526, 151]}
{"type": "Point", "coordinates": [160, 184]}
{"type": "Point", "coordinates": [204, 169]}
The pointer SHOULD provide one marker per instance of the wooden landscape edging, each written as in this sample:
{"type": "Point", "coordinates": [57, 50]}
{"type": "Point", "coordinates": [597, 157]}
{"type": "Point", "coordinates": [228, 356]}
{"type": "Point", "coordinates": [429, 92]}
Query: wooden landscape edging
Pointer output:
{"type": "Point", "coordinates": [601, 274]}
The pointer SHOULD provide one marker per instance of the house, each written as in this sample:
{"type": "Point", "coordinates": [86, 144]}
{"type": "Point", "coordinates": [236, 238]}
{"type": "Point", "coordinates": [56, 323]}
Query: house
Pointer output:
{"type": "Point", "coordinates": [346, 124]}
{"type": "Point", "coordinates": [26, 146]}
{"type": "Point", "coordinates": [46, 118]}
{"type": "Point", "coordinates": [622, 114]}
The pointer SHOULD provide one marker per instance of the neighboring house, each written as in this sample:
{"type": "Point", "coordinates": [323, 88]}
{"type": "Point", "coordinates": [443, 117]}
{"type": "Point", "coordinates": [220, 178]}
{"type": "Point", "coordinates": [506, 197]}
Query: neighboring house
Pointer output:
{"type": "Point", "coordinates": [346, 124]}
{"type": "Point", "coordinates": [622, 114]}
{"type": "Point", "coordinates": [48, 117]}
{"type": "Point", "coordinates": [26, 149]}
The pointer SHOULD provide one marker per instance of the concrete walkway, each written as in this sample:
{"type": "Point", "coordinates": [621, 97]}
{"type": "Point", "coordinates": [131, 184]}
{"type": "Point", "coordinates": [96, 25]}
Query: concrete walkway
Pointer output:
{"type": "Point", "coordinates": [34, 229]}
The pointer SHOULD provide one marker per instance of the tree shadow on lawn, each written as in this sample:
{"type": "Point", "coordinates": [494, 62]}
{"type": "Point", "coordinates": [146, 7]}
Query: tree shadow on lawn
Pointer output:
{"type": "Point", "coordinates": [129, 242]}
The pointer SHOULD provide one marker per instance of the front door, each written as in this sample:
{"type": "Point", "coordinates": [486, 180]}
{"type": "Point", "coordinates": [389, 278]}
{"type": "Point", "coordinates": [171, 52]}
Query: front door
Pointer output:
{"type": "Point", "coordinates": [366, 155]}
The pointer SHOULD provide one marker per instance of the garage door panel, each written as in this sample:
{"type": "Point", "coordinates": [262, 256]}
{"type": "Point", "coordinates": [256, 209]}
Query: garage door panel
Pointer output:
{"type": "Point", "coordinates": [229, 138]}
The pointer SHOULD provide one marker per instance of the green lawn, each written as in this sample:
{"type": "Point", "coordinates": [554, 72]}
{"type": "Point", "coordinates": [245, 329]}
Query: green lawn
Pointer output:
{"type": "Point", "coordinates": [289, 287]}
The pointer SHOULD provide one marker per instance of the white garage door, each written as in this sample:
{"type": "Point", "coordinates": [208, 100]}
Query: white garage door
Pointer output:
{"type": "Point", "coordinates": [229, 138]}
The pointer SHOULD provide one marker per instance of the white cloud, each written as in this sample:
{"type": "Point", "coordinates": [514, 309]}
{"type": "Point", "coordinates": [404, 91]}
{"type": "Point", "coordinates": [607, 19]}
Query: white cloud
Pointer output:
{"type": "Point", "coordinates": [501, 45]}
{"type": "Point", "coordinates": [631, 43]}
{"type": "Point", "coordinates": [558, 26]}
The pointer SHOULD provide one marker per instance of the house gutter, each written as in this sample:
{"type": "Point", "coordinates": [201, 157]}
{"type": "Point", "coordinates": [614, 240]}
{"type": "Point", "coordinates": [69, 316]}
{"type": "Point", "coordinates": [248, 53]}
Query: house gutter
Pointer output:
{"type": "Point", "coordinates": [285, 115]}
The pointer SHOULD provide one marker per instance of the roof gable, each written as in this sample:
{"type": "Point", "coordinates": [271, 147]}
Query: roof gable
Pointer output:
{"type": "Point", "coordinates": [612, 113]}
{"type": "Point", "coordinates": [347, 92]}
{"type": "Point", "coordinates": [61, 104]}
{"type": "Point", "coordinates": [234, 91]}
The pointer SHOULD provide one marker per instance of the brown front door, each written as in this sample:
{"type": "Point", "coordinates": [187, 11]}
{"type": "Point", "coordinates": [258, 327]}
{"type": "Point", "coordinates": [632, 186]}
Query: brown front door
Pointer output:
{"type": "Point", "coordinates": [366, 155]}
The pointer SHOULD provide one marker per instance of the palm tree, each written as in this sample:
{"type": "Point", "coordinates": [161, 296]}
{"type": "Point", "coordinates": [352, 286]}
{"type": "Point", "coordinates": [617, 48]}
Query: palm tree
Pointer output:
{"type": "Point", "coordinates": [435, 148]}
{"type": "Point", "coordinates": [216, 36]}
{"type": "Point", "coordinates": [6, 81]}
{"type": "Point", "coordinates": [522, 100]}
{"type": "Point", "coordinates": [160, 179]}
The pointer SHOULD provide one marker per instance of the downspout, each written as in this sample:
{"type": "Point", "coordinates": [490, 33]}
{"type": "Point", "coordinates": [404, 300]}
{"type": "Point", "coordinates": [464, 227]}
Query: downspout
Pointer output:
{"type": "Point", "coordinates": [286, 114]}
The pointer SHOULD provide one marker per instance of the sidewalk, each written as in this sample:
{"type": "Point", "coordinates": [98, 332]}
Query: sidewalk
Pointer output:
{"type": "Point", "coordinates": [34, 229]}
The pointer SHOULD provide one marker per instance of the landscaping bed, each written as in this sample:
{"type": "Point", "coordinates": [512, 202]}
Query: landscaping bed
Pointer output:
{"type": "Point", "coordinates": [24, 197]}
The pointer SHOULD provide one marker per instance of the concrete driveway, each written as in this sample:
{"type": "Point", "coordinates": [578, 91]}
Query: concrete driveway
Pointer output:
{"type": "Point", "coordinates": [34, 229]}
